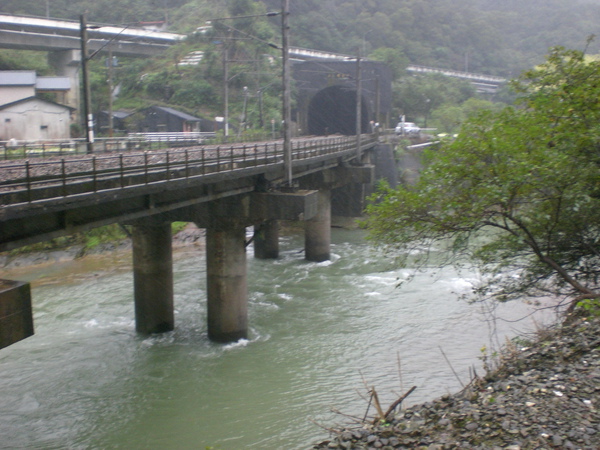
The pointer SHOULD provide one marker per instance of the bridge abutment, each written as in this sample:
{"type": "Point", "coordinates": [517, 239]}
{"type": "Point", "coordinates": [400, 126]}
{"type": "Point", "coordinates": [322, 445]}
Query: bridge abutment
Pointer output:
{"type": "Point", "coordinates": [153, 278]}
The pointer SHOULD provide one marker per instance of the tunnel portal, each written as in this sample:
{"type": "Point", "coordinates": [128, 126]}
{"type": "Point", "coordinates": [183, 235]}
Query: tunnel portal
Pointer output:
{"type": "Point", "coordinates": [333, 110]}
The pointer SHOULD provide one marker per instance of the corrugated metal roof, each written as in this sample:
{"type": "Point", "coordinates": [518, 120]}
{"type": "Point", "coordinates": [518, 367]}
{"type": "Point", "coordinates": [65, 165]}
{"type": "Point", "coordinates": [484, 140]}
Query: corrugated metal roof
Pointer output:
{"type": "Point", "coordinates": [53, 83]}
{"type": "Point", "coordinates": [17, 77]}
{"type": "Point", "coordinates": [180, 114]}
{"type": "Point", "coordinates": [119, 114]}
{"type": "Point", "coordinates": [33, 99]}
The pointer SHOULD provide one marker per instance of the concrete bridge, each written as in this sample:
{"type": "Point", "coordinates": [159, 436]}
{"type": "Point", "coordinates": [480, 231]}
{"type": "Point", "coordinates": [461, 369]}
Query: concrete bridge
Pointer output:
{"type": "Point", "coordinates": [62, 40]}
{"type": "Point", "coordinates": [52, 35]}
{"type": "Point", "coordinates": [222, 189]}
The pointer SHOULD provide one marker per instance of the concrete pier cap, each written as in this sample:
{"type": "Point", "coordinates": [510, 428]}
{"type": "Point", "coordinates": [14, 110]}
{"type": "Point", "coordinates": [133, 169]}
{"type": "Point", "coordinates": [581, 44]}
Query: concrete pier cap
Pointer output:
{"type": "Point", "coordinates": [278, 205]}
{"type": "Point", "coordinates": [16, 315]}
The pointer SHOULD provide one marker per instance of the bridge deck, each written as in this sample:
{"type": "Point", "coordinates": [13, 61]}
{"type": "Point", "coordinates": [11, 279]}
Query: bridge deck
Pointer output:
{"type": "Point", "coordinates": [45, 196]}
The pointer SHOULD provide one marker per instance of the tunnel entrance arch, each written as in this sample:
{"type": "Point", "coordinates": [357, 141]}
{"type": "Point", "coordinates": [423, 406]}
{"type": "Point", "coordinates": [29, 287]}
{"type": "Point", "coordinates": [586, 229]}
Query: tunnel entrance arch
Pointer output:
{"type": "Point", "coordinates": [333, 111]}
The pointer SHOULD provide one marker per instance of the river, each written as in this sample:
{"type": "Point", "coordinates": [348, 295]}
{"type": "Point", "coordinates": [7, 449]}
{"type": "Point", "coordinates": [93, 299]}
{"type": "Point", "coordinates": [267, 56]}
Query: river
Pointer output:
{"type": "Point", "coordinates": [320, 334]}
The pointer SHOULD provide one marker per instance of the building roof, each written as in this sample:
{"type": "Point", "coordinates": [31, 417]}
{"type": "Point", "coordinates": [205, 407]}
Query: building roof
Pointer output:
{"type": "Point", "coordinates": [179, 114]}
{"type": "Point", "coordinates": [53, 83]}
{"type": "Point", "coordinates": [30, 78]}
{"type": "Point", "coordinates": [29, 99]}
{"type": "Point", "coordinates": [120, 114]}
{"type": "Point", "coordinates": [17, 77]}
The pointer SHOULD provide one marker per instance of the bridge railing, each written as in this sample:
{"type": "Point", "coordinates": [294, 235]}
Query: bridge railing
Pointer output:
{"type": "Point", "coordinates": [134, 142]}
{"type": "Point", "coordinates": [40, 180]}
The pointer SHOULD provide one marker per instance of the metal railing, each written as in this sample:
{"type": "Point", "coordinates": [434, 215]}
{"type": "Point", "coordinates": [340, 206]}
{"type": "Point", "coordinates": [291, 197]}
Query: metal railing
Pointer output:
{"type": "Point", "coordinates": [41, 180]}
{"type": "Point", "coordinates": [14, 149]}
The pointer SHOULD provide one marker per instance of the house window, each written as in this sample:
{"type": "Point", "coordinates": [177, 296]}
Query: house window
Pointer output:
{"type": "Point", "coordinates": [7, 120]}
{"type": "Point", "coordinates": [44, 127]}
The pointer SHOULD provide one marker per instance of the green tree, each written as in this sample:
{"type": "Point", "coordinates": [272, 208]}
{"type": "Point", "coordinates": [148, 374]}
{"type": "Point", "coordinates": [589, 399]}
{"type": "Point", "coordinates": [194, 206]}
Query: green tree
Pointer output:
{"type": "Point", "coordinates": [518, 192]}
{"type": "Point", "coordinates": [447, 118]}
{"type": "Point", "coordinates": [393, 58]}
{"type": "Point", "coordinates": [418, 96]}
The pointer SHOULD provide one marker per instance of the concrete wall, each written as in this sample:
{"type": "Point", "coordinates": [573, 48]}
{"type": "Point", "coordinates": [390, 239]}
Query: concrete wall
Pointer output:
{"type": "Point", "coordinates": [35, 119]}
{"type": "Point", "coordinates": [9, 94]}
{"type": "Point", "coordinates": [16, 316]}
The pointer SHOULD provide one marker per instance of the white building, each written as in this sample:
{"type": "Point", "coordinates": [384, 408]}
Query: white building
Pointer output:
{"type": "Point", "coordinates": [24, 115]}
{"type": "Point", "coordinates": [34, 119]}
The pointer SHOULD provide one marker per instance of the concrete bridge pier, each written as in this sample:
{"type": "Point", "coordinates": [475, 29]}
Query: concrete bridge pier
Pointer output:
{"type": "Point", "coordinates": [225, 221]}
{"type": "Point", "coordinates": [227, 286]}
{"type": "Point", "coordinates": [153, 277]}
{"type": "Point", "coordinates": [67, 63]}
{"type": "Point", "coordinates": [266, 240]}
{"type": "Point", "coordinates": [317, 232]}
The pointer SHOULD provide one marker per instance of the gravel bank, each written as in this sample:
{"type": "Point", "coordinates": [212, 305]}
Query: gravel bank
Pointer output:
{"type": "Point", "coordinates": [544, 396]}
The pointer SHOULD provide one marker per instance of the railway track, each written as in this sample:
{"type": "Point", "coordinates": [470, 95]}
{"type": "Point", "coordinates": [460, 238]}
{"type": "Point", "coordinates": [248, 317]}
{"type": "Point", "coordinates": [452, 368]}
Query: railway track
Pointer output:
{"type": "Point", "coordinates": [26, 181]}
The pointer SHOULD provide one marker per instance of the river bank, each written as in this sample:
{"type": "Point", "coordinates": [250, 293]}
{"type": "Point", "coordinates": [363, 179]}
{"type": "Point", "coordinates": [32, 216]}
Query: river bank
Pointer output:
{"type": "Point", "coordinates": [189, 235]}
{"type": "Point", "coordinates": [543, 395]}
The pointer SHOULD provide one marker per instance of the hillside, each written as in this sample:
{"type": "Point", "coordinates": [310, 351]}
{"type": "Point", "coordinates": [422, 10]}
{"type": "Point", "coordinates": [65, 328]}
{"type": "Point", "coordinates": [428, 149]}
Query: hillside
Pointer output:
{"type": "Point", "coordinates": [488, 36]}
{"type": "Point", "coordinates": [492, 37]}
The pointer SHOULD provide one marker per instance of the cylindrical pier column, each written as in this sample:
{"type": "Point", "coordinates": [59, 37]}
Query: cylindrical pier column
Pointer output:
{"type": "Point", "coordinates": [153, 278]}
{"type": "Point", "coordinates": [317, 233]}
{"type": "Point", "coordinates": [227, 286]}
{"type": "Point", "coordinates": [266, 240]}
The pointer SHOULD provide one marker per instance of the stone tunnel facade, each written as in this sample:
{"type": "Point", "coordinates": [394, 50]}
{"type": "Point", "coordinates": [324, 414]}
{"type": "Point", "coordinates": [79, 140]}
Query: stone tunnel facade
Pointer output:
{"type": "Point", "coordinates": [326, 96]}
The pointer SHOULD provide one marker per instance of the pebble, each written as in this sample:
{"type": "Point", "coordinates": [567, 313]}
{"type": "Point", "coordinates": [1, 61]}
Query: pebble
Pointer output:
{"type": "Point", "coordinates": [544, 397]}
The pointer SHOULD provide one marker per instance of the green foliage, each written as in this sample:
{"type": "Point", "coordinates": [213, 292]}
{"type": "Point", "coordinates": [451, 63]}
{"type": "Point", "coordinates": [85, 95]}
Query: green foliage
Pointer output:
{"type": "Point", "coordinates": [485, 36]}
{"type": "Point", "coordinates": [447, 118]}
{"type": "Point", "coordinates": [19, 60]}
{"type": "Point", "coordinates": [176, 227]}
{"type": "Point", "coordinates": [89, 240]}
{"type": "Point", "coordinates": [590, 306]}
{"type": "Point", "coordinates": [193, 95]}
{"type": "Point", "coordinates": [517, 192]}
{"type": "Point", "coordinates": [97, 236]}
{"type": "Point", "coordinates": [393, 58]}
{"type": "Point", "coordinates": [418, 97]}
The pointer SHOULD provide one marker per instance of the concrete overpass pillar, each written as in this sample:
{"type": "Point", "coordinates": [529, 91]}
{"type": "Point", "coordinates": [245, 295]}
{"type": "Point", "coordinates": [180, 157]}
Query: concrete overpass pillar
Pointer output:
{"type": "Point", "coordinates": [227, 286]}
{"type": "Point", "coordinates": [153, 278]}
{"type": "Point", "coordinates": [266, 240]}
{"type": "Point", "coordinates": [67, 63]}
{"type": "Point", "coordinates": [317, 233]}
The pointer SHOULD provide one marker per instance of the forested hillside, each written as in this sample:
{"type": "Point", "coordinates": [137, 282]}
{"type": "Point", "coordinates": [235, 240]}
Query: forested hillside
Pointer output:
{"type": "Point", "coordinates": [492, 36]}
{"type": "Point", "coordinates": [495, 37]}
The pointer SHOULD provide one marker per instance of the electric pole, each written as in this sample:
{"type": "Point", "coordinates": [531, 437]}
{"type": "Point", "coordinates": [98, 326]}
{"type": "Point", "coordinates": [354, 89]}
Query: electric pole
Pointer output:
{"type": "Point", "coordinates": [358, 105]}
{"type": "Point", "coordinates": [287, 113]}
{"type": "Point", "coordinates": [87, 93]}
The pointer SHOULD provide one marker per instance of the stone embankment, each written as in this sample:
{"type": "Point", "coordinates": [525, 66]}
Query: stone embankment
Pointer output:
{"type": "Point", "coordinates": [543, 396]}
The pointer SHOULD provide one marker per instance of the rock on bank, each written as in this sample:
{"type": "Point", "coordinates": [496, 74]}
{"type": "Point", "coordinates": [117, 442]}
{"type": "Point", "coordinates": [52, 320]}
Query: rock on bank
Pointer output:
{"type": "Point", "coordinates": [544, 396]}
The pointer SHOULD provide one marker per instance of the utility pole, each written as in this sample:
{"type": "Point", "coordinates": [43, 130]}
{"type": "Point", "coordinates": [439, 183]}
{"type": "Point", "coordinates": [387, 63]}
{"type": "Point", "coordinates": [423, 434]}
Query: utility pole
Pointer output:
{"type": "Point", "coordinates": [287, 113]}
{"type": "Point", "coordinates": [226, 87]}
{"type": "Point", "coordinates": [111, 124]}
{"type": "Point", "coordinates": [87, 93]}
{"type": "Point", "coordinates": [377, 100]}
{"type": "Point", "coordinates": [358, 105]}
